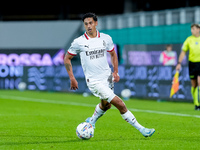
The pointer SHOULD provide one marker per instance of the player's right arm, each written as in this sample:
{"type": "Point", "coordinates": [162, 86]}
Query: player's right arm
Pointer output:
{"type": "Point", "coordinates": [180, 59]}
{"type": "Point", "coordinates": [68, 66]}
{"type": "Point", "coordinates": [185, 48]}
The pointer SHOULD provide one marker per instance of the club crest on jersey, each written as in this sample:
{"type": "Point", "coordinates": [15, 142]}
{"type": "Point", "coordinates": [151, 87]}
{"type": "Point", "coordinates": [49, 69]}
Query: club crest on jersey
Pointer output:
{"type": "Point", "coordinates": [104, 43]}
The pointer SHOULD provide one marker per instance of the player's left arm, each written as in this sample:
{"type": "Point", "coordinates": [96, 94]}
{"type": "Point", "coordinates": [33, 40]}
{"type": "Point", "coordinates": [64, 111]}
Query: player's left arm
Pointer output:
{"type": "Point", "coordinates": [114, 61]}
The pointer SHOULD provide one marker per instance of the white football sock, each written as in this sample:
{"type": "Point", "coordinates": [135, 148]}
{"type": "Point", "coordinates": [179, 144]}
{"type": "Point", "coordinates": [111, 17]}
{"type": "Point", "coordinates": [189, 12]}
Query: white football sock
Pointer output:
{"type": "Point", "coordinates": [97, 114]}
{"type": "Point", "coordinates": [130, 118]}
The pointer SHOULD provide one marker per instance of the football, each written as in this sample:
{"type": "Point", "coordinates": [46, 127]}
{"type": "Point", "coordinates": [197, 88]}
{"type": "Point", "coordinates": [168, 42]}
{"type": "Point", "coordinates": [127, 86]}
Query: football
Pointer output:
{"type": "Point", "coordinates": [85, 131]}
{"type": "Point", "coordinates": [126, 94]}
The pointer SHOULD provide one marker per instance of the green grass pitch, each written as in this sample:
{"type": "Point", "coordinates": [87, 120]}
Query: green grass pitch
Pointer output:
{"type": "Point", "coordinates": [33, 120]}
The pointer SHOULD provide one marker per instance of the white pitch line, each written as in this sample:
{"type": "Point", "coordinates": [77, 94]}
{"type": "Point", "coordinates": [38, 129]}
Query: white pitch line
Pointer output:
{"type": "Point", "coordinates": [165, 113]}
{"type": "Point", "coordinates": [19, 98]}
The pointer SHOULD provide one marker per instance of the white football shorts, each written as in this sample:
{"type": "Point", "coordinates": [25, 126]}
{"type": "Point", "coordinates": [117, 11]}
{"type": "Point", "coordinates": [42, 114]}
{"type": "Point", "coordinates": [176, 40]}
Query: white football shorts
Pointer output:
{"type": "Point", "coordinates": [103, 89]}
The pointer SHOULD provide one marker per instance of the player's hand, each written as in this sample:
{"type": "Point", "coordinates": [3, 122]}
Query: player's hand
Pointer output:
{"type": "Point", "coordinates": [74, 84]}
{"type": "Point", "coordinates": [178, 67]}
{"type": "Point", "coordinates": [116, 77]}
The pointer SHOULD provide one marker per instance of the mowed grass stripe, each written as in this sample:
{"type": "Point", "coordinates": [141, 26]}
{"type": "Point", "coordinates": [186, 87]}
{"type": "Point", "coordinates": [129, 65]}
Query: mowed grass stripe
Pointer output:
{"type": "Point", "coordinates": [20, 98]}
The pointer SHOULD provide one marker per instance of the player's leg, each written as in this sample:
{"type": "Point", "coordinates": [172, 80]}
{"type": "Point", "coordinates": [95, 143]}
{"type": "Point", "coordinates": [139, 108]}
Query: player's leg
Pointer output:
{"type": "Point", "coordinates": [103, 90]}
{"type": "Point", "coordinates": [194, 93]}
{"type": "Point", "coordinates": [100, 110]}
{"type": "Point", "coordinates": [104, 105]}
{"type": "Point", "coordinates": [197, 73]}
{"type": "Point", "coordinates": [125, 113]}
{"type": "Point", "coordinates": [129, 117]}
{"type": "Point", "coordinates": [198, 91]}
{"type": "Point", "coordinates": [193, 73]}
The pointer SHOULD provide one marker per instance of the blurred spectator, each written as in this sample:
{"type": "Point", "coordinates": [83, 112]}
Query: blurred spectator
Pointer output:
{"type": "Point", "coordinates": [168, 57]}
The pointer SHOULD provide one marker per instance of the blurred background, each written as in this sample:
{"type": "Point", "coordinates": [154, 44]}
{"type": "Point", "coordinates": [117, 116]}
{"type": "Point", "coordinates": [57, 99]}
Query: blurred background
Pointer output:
{"type": "Point", "coordinates": [34, 37]}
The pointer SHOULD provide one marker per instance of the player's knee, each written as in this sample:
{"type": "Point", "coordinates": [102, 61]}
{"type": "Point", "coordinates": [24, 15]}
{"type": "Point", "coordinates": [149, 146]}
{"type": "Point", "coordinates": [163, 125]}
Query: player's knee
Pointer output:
{"type": "Point", "coordinates": [105, 105]}
{"type": "Point", "coordinates": [122, 108]}
{"type": "Point", "coordinates": [119, 104]}
{"type": "Point", "coordinates": [108, 106]}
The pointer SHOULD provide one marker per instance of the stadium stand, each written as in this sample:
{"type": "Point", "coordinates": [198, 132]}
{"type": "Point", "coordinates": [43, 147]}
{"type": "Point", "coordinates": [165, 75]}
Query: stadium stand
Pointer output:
{"type": "Point", "coordinates": [40, 34]}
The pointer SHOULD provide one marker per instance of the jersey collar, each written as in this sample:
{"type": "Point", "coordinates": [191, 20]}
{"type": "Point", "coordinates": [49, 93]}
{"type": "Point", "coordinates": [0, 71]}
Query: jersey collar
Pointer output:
{"type": "Point", "coordinates": [87, 37]}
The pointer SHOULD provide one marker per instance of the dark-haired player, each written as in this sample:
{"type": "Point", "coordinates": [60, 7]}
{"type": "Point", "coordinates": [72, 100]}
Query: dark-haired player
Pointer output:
{"type": "Point", "coordinates": [92, 47]}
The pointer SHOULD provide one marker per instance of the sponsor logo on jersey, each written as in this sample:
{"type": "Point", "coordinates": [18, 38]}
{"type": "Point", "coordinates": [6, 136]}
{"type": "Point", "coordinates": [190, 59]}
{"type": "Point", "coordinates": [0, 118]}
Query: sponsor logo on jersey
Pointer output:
{"type": "Point", "coordinates": [95, 54]}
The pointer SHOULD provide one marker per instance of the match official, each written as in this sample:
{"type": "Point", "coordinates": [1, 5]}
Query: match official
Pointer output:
{"type": "Point", "coordinates": [192, 44]}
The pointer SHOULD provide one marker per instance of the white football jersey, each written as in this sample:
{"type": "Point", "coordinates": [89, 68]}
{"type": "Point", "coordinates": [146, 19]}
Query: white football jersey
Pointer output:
{"type": "Point", "coordinates": [93, 55]}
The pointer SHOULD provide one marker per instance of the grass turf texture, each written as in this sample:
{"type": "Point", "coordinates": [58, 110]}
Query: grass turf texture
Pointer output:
{"type": "Point", "coordinates": [33, 120]}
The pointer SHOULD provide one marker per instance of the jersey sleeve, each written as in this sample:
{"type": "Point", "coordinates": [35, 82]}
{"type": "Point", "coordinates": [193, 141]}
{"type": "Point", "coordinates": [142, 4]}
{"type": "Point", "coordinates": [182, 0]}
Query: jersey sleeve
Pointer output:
{"type": "Point", "coordinates": [74, 48]}
{"type": "Point", "coordinates": [185, 46]}
{"type": "Point", "coordinates": [109, 44]}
